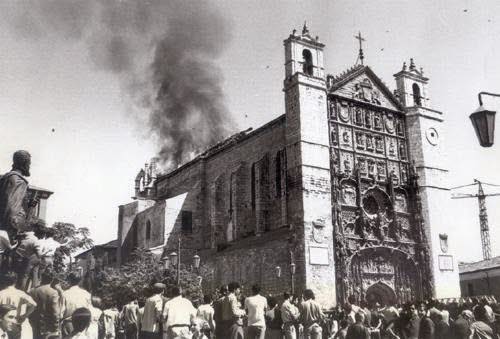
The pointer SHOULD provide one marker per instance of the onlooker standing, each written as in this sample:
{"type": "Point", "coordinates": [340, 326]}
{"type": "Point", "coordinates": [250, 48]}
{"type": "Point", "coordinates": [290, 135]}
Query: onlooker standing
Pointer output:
{"type": "Point", "coordinates": [73, 298]}
{"type": "Point", "coordinates": [26, 258]}
{"type": "Point", "coordinates": [256, 307]}
{"type": "Point", "coordinates": [7, 320]}
{"type": "Point", "coordinates": [178, 314]}
{"type": "Point", "coordinates": [130, 319]}
{"type": "Point", "coordinates": [289, 316]}
{"type": "Point", "coordinates": [47, 315]}
{"type": "Point", "coordinates": [152, 314]}
{"type": "Point", "coordinates": [426, 329]}
{"type": "Point", "coordinates": [358, 329]}
{"type": "Point", "coordinates": [342, 333]}
{"type": "Point", "coordinates": [206, 312]}
{"type": "Point", "coordinates": [460, 329]}
{"type": "Point", "coordinates": [412, 325]}
{"type": "Point", "coordinates": [95, 329]}
{"type": "Point", "coordinates": [111, 319]}
{"type": "Point", "coordinates": [221, 325]}
{"type": "Point", "coordinates": [24, 304]}
{"type": "Point", "coordinates": [274, 323]}
{"type": "Point", "coordinates": [232, 314]}
{"type": "Point", "coordinates": [311, 316]}
{"type": "Point", "coordinates": [479, 328]}
{"type": "Point", "coordinates": [442, 329]}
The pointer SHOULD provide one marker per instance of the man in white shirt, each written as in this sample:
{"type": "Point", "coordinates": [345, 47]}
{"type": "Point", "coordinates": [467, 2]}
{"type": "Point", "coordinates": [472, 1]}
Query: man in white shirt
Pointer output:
{"type": "Point", "coordinates": [7, 320]}
{"type": "Point", "coordinates": [24, 304]}
{"type": "Point", "coordinates": [178, 315]}
{"type": "Point", "coordinates": [256, 307]}
{"type": "Point", "coordinates": [206, 312]}
{"type": "Point", "coordinates": [73, 298]}
{"type": "Point", "coordinates": [152, 314]}
{"type": "Point", "coordinates": [290, 316]}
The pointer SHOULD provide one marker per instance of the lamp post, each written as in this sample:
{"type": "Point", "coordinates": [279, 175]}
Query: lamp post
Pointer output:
{"type": "Point", "coordinates": [175, 259]}
{"type": "Point", "coordinates": [483, 121]}
{"type": "Point", "coordinates": [292, 272]}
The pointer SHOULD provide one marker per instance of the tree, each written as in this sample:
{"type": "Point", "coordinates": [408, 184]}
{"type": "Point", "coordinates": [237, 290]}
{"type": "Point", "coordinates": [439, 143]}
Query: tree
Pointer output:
{"type": "Point", "coordinates": [132, 280]}
{"type": "Point", "coordinates": [74, 238]}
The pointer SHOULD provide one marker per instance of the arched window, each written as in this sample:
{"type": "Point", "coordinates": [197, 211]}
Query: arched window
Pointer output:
{"type": "Point", "coordinates": [148, 230]}
{"type": "Point", "coordinates": [308, 64]}
{"type": "Point", "coordinates": [416, 95]}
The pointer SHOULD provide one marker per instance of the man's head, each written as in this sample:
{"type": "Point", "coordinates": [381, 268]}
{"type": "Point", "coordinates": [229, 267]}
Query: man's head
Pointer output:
{"type": "Point", "coordinates": [207, 299]}
{"type": "Point", "coordinates": [74, 279]}
{"type": "Point", "coordinates": [359, 317]}
{"type": "Point", "coordinates": [158, 288]}
{"type": "Point", "coordinates": [8, 315]}
{"type": "Point", "coordinates": [233, 287]}
{"type": "Point", "coordinates": [8, 279]}
{"type": "Point", "coordinates": [255, 289]}
{"type": "Point", "coordinates": [96, 302]}
{"type": "Point", "coordinates": [21, 161]}
{"type": "Point", "coordinates": [286, 296]}
{"type": "Point", "coordinates": [308, 294]}
{"type": "Point", "coordinates": [47, 277]}
{"type": "Point", "coordinates": [422, 310]}
{"type": "Point", "coordinates": [81, 319]}
{"type": "Point", "coordinates": [175, 291]}
{"type": "Point", "coordinates": [223, 290]}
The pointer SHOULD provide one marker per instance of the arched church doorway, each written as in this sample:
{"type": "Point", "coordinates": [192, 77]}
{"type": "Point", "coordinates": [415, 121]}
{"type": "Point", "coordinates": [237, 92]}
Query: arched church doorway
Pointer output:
{"type": "Point", "coordinates": [380, 293]}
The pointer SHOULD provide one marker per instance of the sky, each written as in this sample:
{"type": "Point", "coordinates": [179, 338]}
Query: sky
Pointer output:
{"type": "Point", "coordinates": [87, 144]}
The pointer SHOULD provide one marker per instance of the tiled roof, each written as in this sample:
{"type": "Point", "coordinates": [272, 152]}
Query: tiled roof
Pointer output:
{"type": "Point", "coordinates": [479, 265]}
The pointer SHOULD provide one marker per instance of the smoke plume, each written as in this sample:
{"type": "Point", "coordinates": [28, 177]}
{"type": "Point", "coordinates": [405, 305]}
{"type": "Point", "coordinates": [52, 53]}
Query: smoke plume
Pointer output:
{"type": "Point", "coordinates": [163, 52]}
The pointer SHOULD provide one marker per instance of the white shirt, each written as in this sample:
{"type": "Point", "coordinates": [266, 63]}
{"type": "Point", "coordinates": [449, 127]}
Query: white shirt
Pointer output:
{"type": "Point", "coordinates": [4, 244]}
{"type": "Point", "coordinates": [256, 307]}
{"type": "Point", "coordinates": [206, 312]}
{"type": "Point", "coordinates": [48, 247]}
{"type": "Point", "coordinates": [93, 330]}
{"type": "Point", "coordinates": [3, 334]}
{"type": "Point", "coordinates": [178, 311]}
{"type": "Point", "coordinates": [152, 312]}
{"type": "Point", "coordinates": [75, 297]}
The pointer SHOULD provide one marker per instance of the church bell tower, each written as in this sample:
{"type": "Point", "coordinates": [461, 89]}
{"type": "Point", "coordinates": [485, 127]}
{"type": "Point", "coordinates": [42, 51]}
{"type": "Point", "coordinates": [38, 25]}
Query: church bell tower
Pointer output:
{"type": "Point", "coordinates": [425, 128]}
{"type": "Point", "coordinates": [308, 164]}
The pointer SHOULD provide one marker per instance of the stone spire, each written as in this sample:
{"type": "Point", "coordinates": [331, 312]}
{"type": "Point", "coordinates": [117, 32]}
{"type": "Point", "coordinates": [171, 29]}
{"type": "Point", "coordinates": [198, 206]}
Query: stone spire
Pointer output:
{"type": "Point", "coordinates": [305, 30]}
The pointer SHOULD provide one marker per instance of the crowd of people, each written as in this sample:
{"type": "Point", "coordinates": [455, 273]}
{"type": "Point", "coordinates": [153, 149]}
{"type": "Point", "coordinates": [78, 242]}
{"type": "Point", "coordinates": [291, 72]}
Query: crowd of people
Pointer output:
{"type": "Point", "coordinates": [49, 311]}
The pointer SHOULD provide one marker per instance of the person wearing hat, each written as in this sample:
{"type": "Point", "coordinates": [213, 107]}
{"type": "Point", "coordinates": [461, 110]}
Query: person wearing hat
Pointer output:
{"type": "Point", "coordinates": [15, 208]}
{"type": "Point", "coordinates": [152, 314]}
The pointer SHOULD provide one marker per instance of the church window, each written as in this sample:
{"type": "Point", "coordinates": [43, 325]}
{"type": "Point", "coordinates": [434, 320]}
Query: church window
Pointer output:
{"type": "Point", "coordinates": [187, 221]}
{"type": "Point", "coordinates": [308, 64]}
{"type": "Point", "coordinates": [417, 99]}
{"type": "Point", "coordinates": [148, 230]}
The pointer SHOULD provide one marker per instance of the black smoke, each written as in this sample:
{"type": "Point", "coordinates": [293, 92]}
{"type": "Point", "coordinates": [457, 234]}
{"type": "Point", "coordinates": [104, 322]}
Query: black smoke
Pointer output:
{"type": "Point", "coordinates": [164, 53]}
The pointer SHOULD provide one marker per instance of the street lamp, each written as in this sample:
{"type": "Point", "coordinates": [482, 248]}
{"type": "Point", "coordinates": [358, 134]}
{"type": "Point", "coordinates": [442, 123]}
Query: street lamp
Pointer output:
{"type": "Point", "coordinates": [196, 261]}
{"type": "Point", "coordinates": [277, 269]}
{"type": "Point", "coordinates": [483, 122]}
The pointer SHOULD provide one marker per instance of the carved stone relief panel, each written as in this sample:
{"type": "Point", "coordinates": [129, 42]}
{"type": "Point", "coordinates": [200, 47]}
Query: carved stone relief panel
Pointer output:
{"type": "Point", "coordinates": [369, 142]}
{"type": "Point", "coordinates": [404, 174]}
{"type": "Point", "coordinates": [346, 163]}
{"type": "Point", "coordinates": [368, 119]}
{"type": "Point", "coordinates": [334, 135]}
{"type": "Point", "coordinates": [332, 111]}
{"type": "Point", "coordinates": [381, 170]}
{"type": "Point", "coordinates": [389, 123]}
{"type": "Point", "coordinates": [362, 165]}
{"type": "Point", "coordinates": [349, 192]}
{"type": "Point", "coordinates": [401, 201]}
{"type": "Point", "coordinates": [335, 161]}
{"type": "Point", "coordinates": [379, 144]}
{"type": "Point", "coordinates": [360, 140]}
{"type": "Point", "coordinates": [377, 121]}
{"type": "Point", "coordinates": [400, 129]}
{"type": "Point", "coordinates": [345, 135]}
{"type": "Point", "coordinates": [358, 116]}
{"type": "Point", "coordinates": [403, 155]}
{"type": "Point", "coordinates": [344, 111]}
{"type": "Point", "coordinates": [391, 145]}
{"type": "Point", "coordinates": [393, 167]}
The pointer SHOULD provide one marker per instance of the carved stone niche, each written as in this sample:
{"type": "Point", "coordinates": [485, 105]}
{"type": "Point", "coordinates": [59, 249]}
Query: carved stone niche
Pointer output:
{"type": "Point", "coordinates": [348, 192]}
{"type": "Point", "coordinates": [400, 201]}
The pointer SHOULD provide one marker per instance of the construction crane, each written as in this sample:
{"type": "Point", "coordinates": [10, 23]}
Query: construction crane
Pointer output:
{"type": "Point", "coordinates": [483, 215]}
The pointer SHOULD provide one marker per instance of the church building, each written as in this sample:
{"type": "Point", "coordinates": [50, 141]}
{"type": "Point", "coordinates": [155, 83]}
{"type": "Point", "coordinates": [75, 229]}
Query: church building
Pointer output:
{"type": "Point", "coordinates": [346, 193]}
